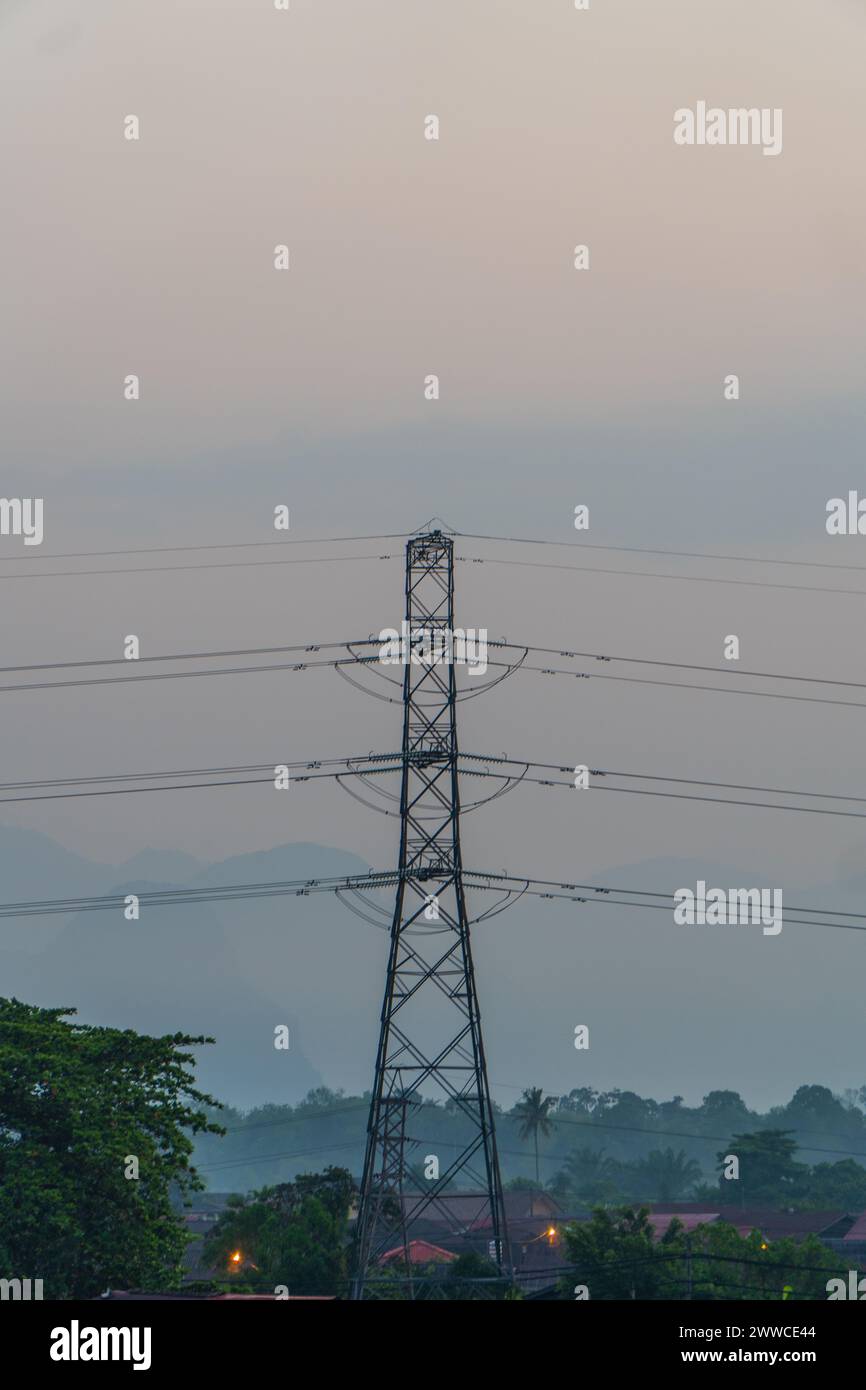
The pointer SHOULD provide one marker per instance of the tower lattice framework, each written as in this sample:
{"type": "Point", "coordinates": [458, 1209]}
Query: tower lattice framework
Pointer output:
{"type": "Point", "coordinates": [430, 1040]}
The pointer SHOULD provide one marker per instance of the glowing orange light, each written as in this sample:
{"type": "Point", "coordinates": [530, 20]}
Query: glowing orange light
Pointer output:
{"type": "Point", "coordinates": [551, 1232]}
{"type": "Point", "coordinates": [236, 1257]}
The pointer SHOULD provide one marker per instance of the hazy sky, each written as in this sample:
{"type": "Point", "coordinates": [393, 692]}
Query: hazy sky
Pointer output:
{"type": "Point", "coordinates": [453, 257]}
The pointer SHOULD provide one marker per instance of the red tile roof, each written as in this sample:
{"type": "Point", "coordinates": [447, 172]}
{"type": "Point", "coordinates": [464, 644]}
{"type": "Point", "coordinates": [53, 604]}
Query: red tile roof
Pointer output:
{"type": "Point", "coordinates": [858, 1230]}
{"type": "Point", "coordinates": [420, 1252]}
{"type": "Point", "coordinates": [661, 1220]}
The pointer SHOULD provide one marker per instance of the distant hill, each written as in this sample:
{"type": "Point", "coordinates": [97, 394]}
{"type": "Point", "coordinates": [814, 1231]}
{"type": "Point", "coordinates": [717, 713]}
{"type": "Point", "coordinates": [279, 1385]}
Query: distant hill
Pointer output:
{"type": "Point", "coordinates": [706, 1007]}
{"type": "Point", "coordinates": [184, 968]}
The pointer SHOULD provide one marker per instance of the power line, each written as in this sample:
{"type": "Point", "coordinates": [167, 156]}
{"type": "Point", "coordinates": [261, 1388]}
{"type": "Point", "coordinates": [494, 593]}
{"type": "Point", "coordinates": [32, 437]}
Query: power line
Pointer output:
{"type": "Point", "coordinates": [373, 641]}
{"type": "Point", "coordinates": [379, 879]}
{"type": "Point", "coordinates": [180, 896]}
{"type": "Point", "coordinates": [645, 550]}
{"type": "Point", "coordinates": [653, 574]}
{"type": "Point", "coordinates": [167, 569]}
{"type": "Point", "coordinates": [240, 776]}
{"type": "Point", "coordinates": [646, 893]}
{"type": "Point", "coordinates": [657, 777]}
{"type": "Point", "coordinates": [201, 771]}
{"type": "Point", "coordinates": [233, 781]}
{"type": "Point", "coordinates": [371, 660]}
{"type": "Point", "coordinates": [215, 545]}
{"type": "Point", "coordinates": [675, 796]}
{"type": "Point", "coordinates": [185, 675]}
{"type": "Point", "coordinates": [191, 656]}
{"type": "Point", "coordinates": [680, 665]}
{"type": "Point", "coordinates": [663, 907]}
{"type": "Point", "coordinates": [684, 685]}
{"type": "Point", "coordinates": [258, 1159]}
{"type": "Point", "coordinates": [520, 881]}
{"type": "Point", "coordinates": [497, 644]}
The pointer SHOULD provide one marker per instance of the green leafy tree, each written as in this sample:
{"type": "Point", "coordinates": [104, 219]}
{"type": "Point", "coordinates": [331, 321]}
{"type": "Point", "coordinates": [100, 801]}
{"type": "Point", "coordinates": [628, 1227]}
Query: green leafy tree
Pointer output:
{"type": "Point", "coordinates": [722, 1264]}
{"type": "Point", "coordinates": [293, 1234]}
{"type": "Point", "coordinates": [532, 1112]}
{"type": "Point", "coordinates": [469, 1277]}
{"type": "Point", "coordinates": [581, 1101]}
{"type": "Point", "coordinates": [813, 1107]}
{"type": "Point", "coordinates": [769, 1173]}
{"type": "Point", "coordinates": [77, 1105]}
{"type": "Point", "coordinates": [617, 1256]}
{"type": "Point", "coordinates": [840, 1185]}
{"type": "Point", "coordinates": [724, 1107]}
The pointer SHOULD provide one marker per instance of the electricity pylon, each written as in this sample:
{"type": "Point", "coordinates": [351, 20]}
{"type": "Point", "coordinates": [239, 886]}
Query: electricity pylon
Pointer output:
{"type": "Point", "coordinates": [430, 1037]}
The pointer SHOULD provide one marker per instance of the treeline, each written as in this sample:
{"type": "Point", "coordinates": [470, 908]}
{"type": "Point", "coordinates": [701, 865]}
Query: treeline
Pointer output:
{"type": "Point", "coordinates": [587, 1147]}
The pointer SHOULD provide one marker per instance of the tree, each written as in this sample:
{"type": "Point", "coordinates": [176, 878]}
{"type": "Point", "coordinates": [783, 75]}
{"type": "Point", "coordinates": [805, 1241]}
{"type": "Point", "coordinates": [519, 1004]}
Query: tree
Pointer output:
{"type": "Point", "coordinates": [665, 1176]}
{"type": "Point", "coordinates": [321, 1098]}
{"type": "Point", "coordinates": [472, 1276]}
{"type": "Point", "coordinates": [82, 1111]}
{"type": "Point", "coordinates": [768, 1171]}
{"type": "Point", "coordinates": [580, 1101]}
{"type": "Point", "coordinates": [519, 1184]}
{"type": "Point", "coordinates": [841, 1184]}
{"type": "Point", "coordinates": [293, 1234]}
{"type": "Point", "coordinates": [725, 1265]}
{"type": "Point", "coordinates": [616, 1255]}
{"type": "Point", "coordinates": [815, 1107]}
{"type": "Point", "coordinates": [533, 1113]}
{"type": "Point", "coordinates": [589, 1175]}
{"type": "Point", "coordinates": [724, 1107]}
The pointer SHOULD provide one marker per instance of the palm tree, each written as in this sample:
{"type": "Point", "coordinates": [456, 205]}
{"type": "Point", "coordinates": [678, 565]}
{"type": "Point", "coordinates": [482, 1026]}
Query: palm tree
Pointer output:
{"type": "Point", "coordinates": [533, 1112]}
{"type": "Point", "coordinates": [667, 1175]}
{"type": "Point", "coordinates": [589, 1175]}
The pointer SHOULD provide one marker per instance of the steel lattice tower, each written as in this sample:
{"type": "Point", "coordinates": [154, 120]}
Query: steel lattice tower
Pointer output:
{"type": "Point", "coordinates": [430, 1036]}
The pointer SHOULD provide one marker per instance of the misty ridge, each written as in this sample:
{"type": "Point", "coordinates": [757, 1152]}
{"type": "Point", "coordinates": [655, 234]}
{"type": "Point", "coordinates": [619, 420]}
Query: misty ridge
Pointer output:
{"type": "Point", "coordinates": [756, 1010]}
{"type": "Point", "coordinates": [594, 1147]}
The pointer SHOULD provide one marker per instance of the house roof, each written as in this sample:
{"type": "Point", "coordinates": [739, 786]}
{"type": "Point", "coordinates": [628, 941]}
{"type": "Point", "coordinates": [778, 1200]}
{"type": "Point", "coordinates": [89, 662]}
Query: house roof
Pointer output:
{"type": "Point", "coordinates": [135, 1296]}
{"type": "Point", "coordinates": [858, 1230]}
{"type": "Point", "coordinates": [420, 1252]}
{"type": "Point", "coordinates": [470, 1212]}
{"type": "Point", "coordinates": [774, 1225]}
{"type": "Point", "coordinates": [661, 1220]}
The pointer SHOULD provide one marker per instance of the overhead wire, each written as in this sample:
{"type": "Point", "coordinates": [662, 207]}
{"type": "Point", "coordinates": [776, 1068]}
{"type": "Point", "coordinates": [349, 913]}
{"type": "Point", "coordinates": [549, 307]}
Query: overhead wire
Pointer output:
{"type": "Point", "coordinates": [173, 569]}
{"type": "Point", "coordinates": [379, 879]}
{"type": "Point", "coordinates": [646, 550]}
{"type": "Point", "coordinates": [212, 545]}
{"type": "Point", "coordinates": [654, 574]}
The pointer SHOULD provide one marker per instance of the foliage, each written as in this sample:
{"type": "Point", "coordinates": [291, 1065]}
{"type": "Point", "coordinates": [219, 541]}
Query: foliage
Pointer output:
{"type": "Point", "coordinates": [76, 1104]}
{"type": "Point", "coordinates": [470, 1278]}
{"type": "Point", "coordinates": [617, 1256]}
{"type": "Point", "coordinates": [768, 1171]}
{"type": "Point", "coordinates": [294, 1234]}
{"type": "Point", "coordinates": [532, 1112]}
{"type": "Point", "coordinates": [623, 1127]}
